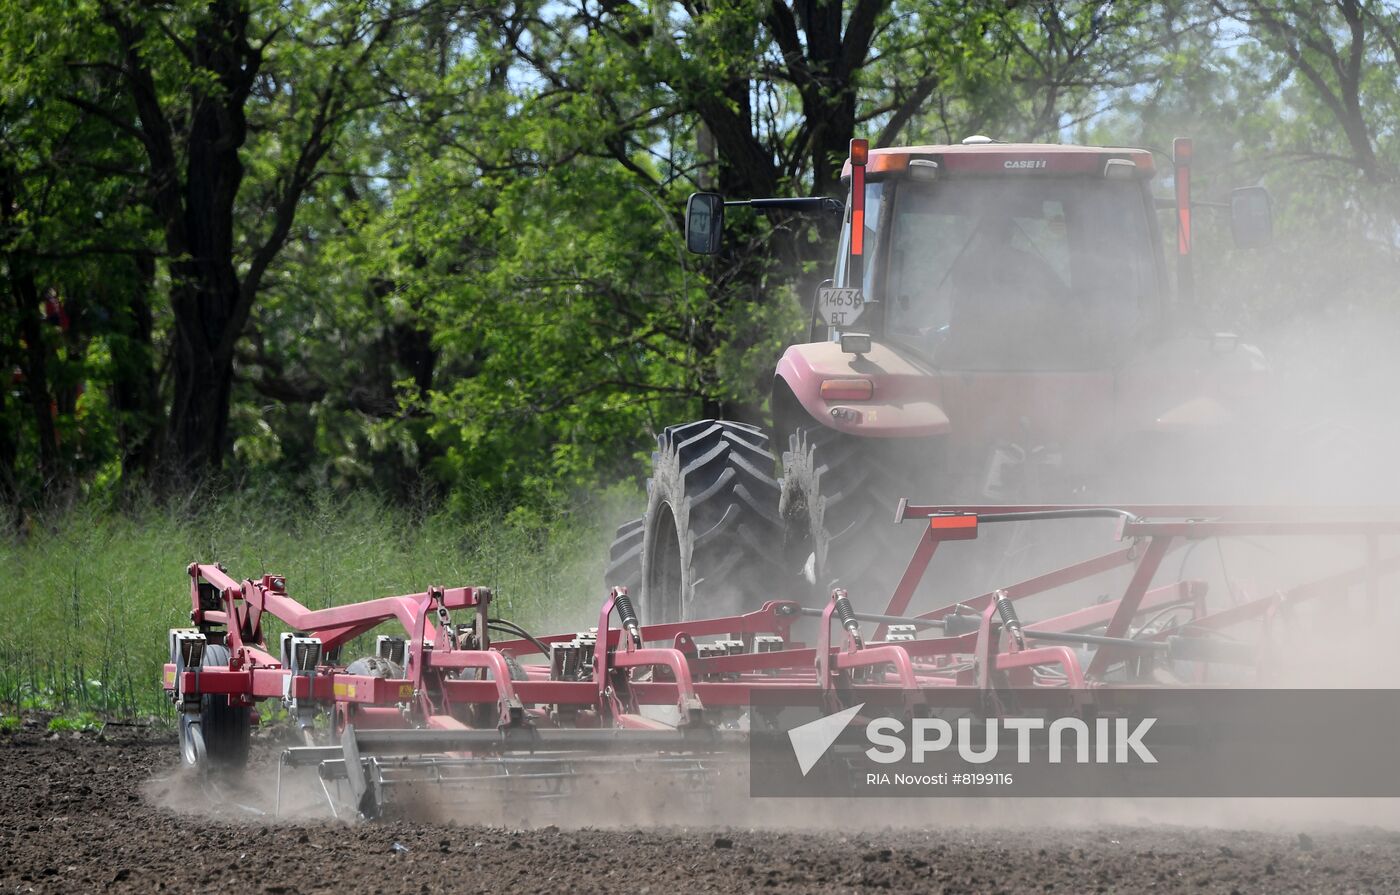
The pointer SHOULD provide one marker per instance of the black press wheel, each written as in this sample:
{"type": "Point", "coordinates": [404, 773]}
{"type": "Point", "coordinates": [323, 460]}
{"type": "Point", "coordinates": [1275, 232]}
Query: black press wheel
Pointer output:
{"type": "Point", "coordinates": [218, 737]}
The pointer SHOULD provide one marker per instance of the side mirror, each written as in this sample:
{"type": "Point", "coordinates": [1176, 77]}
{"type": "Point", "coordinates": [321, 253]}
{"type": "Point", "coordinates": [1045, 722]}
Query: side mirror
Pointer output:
{"type": "Point", "coordinates": [704, 223]}
{"type": "Point", "coordinates": [1251, 217]}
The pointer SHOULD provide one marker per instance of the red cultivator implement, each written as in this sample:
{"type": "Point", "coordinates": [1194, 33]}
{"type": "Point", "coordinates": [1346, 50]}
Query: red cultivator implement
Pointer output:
{"type": "Point", "coordinates": [456, 696]}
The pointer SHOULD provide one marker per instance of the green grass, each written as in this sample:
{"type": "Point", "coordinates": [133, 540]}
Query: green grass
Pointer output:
{"type": "Point", "coordinates": [87, 597]}
{"type": "Point", "coordinates": [81, 721]}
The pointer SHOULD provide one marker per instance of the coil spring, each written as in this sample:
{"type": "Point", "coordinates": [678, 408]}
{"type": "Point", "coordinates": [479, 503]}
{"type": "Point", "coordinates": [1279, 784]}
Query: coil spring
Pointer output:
{"type": "Point", "coordinates": [847, 613]}
{"type": "Point", "coordinates": [628, 615]}
{"type": "Point", "coordinates": [1009, 618]}
{"type": "Point", "coordinates": [625, 612]}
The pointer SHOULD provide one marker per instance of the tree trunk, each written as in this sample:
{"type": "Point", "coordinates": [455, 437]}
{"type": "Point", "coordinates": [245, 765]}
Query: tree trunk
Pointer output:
{"type": "Point", "coordinates": [206, 292]}
{"type": "Point", "coordinates": [135, 385]}
{"type": "Point", "coordinates": [27, 339]}
{"type": "Point", "coordinates": [34, 367]}
{"type": "Point", "coordinates": [9, 431]}
{"type": "Point", "coordinates": [197, 433]}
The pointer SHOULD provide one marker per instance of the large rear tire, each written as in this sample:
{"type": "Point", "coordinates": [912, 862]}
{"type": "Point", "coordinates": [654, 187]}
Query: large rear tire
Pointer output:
{"type": "Point", "coordinates": [711, 530]}
{"type": "Point", "coordinates": [838, 499]}
{"type": "Point", "coordinates": [625, 557]}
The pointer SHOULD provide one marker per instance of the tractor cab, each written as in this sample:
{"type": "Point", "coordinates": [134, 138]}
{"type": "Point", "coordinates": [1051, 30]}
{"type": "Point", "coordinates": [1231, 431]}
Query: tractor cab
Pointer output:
{"type": "Point", "coordinates": [999, 328]}
{"type": "Point", "coordinates": [1001, 256]}
{"type": "Point", "coordinates": [994, 257]}
{"type": "Point", "coordinates": [991, 293]}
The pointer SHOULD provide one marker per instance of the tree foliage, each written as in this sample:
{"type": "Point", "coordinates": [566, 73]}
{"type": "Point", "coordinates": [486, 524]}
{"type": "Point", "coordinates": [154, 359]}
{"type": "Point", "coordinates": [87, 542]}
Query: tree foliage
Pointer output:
{"type": "Point", "coordinates": [435, 246]}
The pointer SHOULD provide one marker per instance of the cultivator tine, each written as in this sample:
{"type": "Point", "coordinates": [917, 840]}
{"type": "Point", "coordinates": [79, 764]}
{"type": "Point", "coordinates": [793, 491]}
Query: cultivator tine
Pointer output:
{"type": "Point", "coordinates": [330, 800]}
{"type": "Point", "coordinates": [355, 773]}
{"type": "Point", "coordinates": [373, 764]}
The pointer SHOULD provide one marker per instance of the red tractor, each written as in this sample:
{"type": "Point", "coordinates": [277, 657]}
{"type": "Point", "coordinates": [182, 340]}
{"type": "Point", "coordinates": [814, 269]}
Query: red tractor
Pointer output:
{"type": "Point", "coordinates": [998, 328]}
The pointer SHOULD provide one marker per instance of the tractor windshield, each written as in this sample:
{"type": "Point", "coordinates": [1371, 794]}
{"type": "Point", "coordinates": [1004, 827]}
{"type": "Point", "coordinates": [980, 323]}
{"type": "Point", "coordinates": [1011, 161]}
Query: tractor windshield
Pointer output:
{"type": "Point", "coordinates": [1015, 273]}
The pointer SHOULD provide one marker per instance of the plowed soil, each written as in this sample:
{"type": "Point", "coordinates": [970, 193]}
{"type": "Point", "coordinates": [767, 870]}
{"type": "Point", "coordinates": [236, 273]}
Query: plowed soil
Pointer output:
{"type": "Point", "coordinates": [112, 812]}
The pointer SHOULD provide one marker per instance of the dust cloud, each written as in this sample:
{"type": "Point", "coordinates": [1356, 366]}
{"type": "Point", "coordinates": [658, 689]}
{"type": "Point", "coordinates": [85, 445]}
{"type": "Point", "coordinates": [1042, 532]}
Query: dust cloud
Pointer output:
{"type": "Point", "coordinates": [720, 801]}
{"type": "Point", "coordinates": [1318, 426]}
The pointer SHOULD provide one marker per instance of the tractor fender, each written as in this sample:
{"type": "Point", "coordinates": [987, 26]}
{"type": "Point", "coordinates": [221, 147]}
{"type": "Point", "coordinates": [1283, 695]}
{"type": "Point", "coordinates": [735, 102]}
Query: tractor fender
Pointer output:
{"type": "Point", "coordinates": [905, 397]}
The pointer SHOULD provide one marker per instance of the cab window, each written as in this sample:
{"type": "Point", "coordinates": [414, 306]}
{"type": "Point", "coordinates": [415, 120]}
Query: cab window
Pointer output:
{"type": "Point", "coordinates": [1004, 274]}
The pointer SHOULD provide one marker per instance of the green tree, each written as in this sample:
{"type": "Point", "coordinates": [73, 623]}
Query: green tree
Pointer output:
{"type": "Point", "coordinates": [78, 276]}
{"type": "Point", "coordinates": [234, 105]}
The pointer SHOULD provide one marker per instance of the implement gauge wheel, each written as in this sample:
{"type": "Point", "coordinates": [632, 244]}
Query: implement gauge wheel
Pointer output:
{"type": "Point", "coordinates": [218, 737]}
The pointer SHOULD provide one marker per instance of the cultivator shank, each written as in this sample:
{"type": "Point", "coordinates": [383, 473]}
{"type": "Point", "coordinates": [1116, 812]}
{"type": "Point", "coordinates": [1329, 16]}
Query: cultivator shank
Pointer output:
{"type": "Point", "coordinates": [458, 698]}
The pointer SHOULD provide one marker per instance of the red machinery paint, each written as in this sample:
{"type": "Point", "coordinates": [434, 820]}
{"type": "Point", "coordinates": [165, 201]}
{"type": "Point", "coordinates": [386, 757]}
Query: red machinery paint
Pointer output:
{"type": "Point", "coordinates": [443, 706]}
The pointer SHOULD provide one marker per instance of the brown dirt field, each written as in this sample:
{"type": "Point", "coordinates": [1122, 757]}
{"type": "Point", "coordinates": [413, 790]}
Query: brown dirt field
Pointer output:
{"type": "Point", "coordinates": [84, 813]}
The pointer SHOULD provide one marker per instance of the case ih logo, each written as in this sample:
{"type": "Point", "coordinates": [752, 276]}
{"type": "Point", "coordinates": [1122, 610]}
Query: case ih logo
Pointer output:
{"type": "Point", "coordinates": [1024, 163]}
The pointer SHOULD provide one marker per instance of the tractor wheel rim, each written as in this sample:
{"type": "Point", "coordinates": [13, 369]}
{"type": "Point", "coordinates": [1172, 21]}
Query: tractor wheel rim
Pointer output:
{"type": "Point", "coordinates": [665, 581]}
